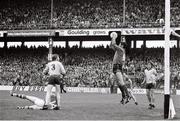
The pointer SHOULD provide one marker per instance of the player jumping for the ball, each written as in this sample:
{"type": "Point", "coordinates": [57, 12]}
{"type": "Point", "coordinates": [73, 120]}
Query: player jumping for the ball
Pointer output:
{"type": "Point", "coordinates": [38, 103]}
{"type": "Point", "coordinates": [118, 61]}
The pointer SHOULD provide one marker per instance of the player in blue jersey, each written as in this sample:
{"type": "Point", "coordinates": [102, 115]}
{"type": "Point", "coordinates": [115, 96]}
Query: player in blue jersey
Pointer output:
{"type": "Point", "coordinates": [118, 62]}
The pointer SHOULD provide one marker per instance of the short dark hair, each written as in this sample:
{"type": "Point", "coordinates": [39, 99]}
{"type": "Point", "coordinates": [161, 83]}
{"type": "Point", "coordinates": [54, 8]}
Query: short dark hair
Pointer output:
{"type": "Point", "coordinates": [54, 57]}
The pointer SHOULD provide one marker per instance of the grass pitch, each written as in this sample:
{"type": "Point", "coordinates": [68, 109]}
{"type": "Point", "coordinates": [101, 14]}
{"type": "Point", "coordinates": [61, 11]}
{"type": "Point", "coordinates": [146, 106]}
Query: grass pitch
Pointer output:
{"type": "Point", "coordinates": [85, 106]}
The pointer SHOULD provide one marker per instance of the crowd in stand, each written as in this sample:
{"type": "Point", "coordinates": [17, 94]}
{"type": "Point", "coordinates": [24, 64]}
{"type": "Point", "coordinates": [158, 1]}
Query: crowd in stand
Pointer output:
{"type": "Point", "coordinates": [36, 14]}
{"type": "Point", "coordinates": [89, 67]}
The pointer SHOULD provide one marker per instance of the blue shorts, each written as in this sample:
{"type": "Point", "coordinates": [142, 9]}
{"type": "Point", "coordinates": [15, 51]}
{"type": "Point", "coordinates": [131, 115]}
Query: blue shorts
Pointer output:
{"type": "Point", "coordinates": [117, 68]}
{"type": "Point", "coordinates": [150, 86]}
{"type": "Point", "coordinates": [55, 80]}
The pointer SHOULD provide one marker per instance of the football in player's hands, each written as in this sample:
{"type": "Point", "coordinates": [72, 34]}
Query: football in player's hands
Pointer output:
{"type": "Point", "coordinates": [113, 35]}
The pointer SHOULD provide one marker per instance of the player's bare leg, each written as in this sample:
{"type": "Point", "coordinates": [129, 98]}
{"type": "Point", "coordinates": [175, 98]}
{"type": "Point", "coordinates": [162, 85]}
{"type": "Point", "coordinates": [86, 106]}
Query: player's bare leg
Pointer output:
{"type": "Point", "coordinates": [22, 96]}
{"type": "Point", "coordinates": [33, 107]}
{"type": "Point", "coordinates": [133, 97]}
{"type": "Point", "coordinates": [48, 95]}
{"type": "Point", "coordinates": [148, 93]}
{"type": "Point", "coordinates": [23, 107]}
{"type": "Point", "coordinates": [120, 83]}
{"type": "Point", "coordinates": [35, 100]}
{"type": "Point", "coordinates": [122, 87]}
{"type": "Point", "coordinates": [58, 96]}
{"type": "Point", "coordinates": [152, 98]}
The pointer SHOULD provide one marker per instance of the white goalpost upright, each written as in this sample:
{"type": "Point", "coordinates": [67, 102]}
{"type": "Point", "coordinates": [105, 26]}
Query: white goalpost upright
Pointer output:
{"type": "Point", "coordinates": [166, 59]}
{"type": "Point", "coordinates": [50, 42]}
{"type": "Point", "coordinates": [169, 110]}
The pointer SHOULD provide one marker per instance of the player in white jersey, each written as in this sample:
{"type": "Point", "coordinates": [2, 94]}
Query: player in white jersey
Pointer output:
{"type": "Point", "coordinates": [150, 79]}
{"type": "Point", "coordinates": [38, 103]}
{"type": "Point", "coordinates": [56, 72]}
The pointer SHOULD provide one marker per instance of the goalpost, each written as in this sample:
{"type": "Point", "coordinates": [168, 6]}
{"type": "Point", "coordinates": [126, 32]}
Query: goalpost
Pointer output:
{"type": "Point", "coordinates": [167, 59]}
{"type": "Point", "coordinates": [169, 110]}
{"type": "Point", "coordinates": [50, 42]}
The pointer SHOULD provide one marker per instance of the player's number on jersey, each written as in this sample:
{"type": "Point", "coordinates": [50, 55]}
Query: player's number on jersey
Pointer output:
{"type": "Point", "coordinates": [53, 67]}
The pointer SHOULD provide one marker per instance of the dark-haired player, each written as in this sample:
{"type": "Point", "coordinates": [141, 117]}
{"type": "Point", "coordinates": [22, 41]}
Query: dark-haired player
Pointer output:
{"type": "Point", "coordinates": [118, 61]}
{"type": "Point", "coordinates": [56, 71]}
{"type": "Point", "coordinates": [150, 79]}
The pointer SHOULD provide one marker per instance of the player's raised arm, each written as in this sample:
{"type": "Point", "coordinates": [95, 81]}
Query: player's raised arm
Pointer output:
{"type": "Point", "coordinates": [113, 44]}
{"type": "Point", "coordinates": [175, 34]}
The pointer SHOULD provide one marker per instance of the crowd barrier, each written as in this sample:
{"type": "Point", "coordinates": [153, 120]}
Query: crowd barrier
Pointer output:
{"type": "Point", "coordinates": [81, 89]}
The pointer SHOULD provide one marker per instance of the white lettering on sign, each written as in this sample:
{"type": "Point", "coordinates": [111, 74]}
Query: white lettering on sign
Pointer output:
{"type": "Point", "coordinates": [78, 32]}
{"type": "Point", "coordinates": [147, 31]}
{"type": "Point", "coordinates": [28, 88]}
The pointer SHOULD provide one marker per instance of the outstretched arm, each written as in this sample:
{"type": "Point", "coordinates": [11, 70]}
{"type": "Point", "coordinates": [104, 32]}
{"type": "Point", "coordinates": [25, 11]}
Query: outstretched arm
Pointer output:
{"type": "Point", "coordinates": [175, 34]}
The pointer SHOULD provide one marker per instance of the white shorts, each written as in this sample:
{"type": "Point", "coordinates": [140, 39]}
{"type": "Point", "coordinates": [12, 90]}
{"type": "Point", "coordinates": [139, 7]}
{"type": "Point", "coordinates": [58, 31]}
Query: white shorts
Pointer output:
{"type": "Point", "coordinates": [39, 102]}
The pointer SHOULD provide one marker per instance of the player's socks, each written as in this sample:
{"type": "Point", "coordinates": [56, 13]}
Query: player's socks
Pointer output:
{"type": "Point", "coordinates": [19, 107]}
{"type": "Point", "coordinates": [18, 95]}
{"type": "Point", "coordinates": [127, 100]}
{"type": "Point", "coordinates": [136, 103]}
{"type": "Point", "coordinates": [21, 96]}
{"type": "Point", "coordinates": [123, 95]}
{"type": "Point", "coordinates": [56, 108]}
{"type": "Point", "coordinates": [150, 106]}
{"type": "Point", "coordinates": [126, 91]}
{"type": "Point", "coordinates": [45, 107]}
{"type": "Point", "coordinates": [123, 101]}
{"type": "Point", "coordinates": [23, 107]}
{"type": "Point", "coordinates": [122, 91]}
{"type": "Point", "coordinates": [127, 96]}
